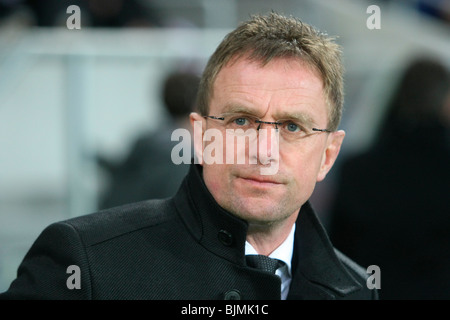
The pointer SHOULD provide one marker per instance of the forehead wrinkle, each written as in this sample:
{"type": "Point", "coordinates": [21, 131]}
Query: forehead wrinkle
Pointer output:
{"type": "Point", "coordinates": [239, 108]}
{"type": "Point", "coordinates": [301, 117]}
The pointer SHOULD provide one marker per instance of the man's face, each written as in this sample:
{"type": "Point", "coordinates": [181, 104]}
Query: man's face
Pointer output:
{"type": "Point", "coordinates": [281, 89]}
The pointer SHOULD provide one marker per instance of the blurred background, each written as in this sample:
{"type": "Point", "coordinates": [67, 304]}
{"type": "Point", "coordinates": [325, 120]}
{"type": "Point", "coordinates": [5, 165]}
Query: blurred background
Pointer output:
{"type": "Point", "coordinates": [75, 104]}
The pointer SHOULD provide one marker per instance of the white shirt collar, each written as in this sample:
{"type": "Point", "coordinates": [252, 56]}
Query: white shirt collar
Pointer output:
{"type": "Point", "coordinates": [283, 252]}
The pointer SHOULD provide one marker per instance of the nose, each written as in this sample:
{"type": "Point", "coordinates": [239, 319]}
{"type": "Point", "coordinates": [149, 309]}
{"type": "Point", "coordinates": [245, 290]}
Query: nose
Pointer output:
{"type": "Point", "coordinates": [268, 140]}
{"type": "Point", "coordinates": [268, 145]}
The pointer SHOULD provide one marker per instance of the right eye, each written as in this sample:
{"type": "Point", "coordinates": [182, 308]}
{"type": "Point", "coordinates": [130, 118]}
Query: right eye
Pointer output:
{"type": "Point", "coordinates": [241, 121]}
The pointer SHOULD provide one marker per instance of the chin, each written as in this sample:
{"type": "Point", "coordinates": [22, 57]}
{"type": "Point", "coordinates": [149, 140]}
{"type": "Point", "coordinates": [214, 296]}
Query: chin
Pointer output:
{"type": "Point", "coordinates": [258, 211]}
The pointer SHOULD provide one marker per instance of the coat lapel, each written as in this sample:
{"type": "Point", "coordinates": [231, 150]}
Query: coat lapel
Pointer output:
{"type": "Point", "coordinates": [317, 271]}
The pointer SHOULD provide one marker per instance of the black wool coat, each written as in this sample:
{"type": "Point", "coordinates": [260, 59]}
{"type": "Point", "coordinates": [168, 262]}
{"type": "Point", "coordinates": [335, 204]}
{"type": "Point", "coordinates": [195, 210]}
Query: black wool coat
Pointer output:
{"type": "Point", "coordinates": [185, 247]}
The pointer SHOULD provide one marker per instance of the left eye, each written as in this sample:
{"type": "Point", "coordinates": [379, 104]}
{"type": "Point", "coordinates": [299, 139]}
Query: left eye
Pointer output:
{"type": "Point", "coordinates": [240, 121]}
{"type": "Point", "coordinates": [292, 127]}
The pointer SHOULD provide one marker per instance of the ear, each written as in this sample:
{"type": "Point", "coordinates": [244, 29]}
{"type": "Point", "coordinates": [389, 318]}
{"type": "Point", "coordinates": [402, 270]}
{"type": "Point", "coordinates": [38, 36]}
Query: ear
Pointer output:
{"type": "Point", "coordinates": [331, 152]}
{"type": "Point", "coordinates": [198, 127]}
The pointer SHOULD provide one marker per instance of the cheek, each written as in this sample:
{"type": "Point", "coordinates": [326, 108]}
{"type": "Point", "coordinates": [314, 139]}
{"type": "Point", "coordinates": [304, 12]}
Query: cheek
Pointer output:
{"type": "Point", "coordinates": [216, 179]}
{"type": "Point", "coordinates": [303, 167]}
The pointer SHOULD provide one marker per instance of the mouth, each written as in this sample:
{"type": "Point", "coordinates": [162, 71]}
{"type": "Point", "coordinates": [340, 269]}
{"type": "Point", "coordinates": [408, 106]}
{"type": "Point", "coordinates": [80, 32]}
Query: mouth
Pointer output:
{"type": "Point", "coordinates": [261, 181]}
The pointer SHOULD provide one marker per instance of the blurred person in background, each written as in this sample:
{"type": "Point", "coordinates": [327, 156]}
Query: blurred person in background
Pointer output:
{"type": "Point", "coordinates": [392, 207]}
{"type": "Point", "coordinates": [148, 171]}
{"type": "Point", "coordinates": [438, 9]}
{"type": "Point", "coordinates": [94, 13]}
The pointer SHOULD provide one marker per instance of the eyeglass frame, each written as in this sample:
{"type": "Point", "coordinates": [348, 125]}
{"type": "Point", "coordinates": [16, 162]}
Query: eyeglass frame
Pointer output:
{"type": "Point", "coordinates": [276, 123]}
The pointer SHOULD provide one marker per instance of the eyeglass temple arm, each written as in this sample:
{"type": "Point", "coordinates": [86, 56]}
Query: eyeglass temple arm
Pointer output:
{"type": "Point", "coordinates": [321, 130]}
{"type": "Point", "coordinates": [212, 117]}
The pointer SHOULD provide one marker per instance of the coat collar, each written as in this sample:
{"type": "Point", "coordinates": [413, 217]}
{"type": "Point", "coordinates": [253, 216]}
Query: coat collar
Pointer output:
{"type": "Point", "coordinates": [317, 271]}
{"type": "Point", "coordinates": [214, 228]}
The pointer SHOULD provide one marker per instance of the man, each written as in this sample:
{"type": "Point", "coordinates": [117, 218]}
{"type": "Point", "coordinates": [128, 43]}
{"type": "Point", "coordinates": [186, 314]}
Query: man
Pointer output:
{"type": "Point", "coordinates": [272, 76]}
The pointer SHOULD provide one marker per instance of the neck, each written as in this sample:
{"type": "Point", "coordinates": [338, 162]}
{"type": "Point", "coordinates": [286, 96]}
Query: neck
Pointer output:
{"type": "Point", "coordinates": [265, 238]}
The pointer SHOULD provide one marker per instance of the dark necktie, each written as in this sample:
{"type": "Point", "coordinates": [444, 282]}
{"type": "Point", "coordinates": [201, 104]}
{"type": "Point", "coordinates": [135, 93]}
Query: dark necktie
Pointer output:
{"type": "Point", "coordinates": [263, 262]}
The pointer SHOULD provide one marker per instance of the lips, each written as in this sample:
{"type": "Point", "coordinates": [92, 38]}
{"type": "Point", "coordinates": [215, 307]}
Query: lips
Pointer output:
{"type": "Point", "coordinates": [261, 180]}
